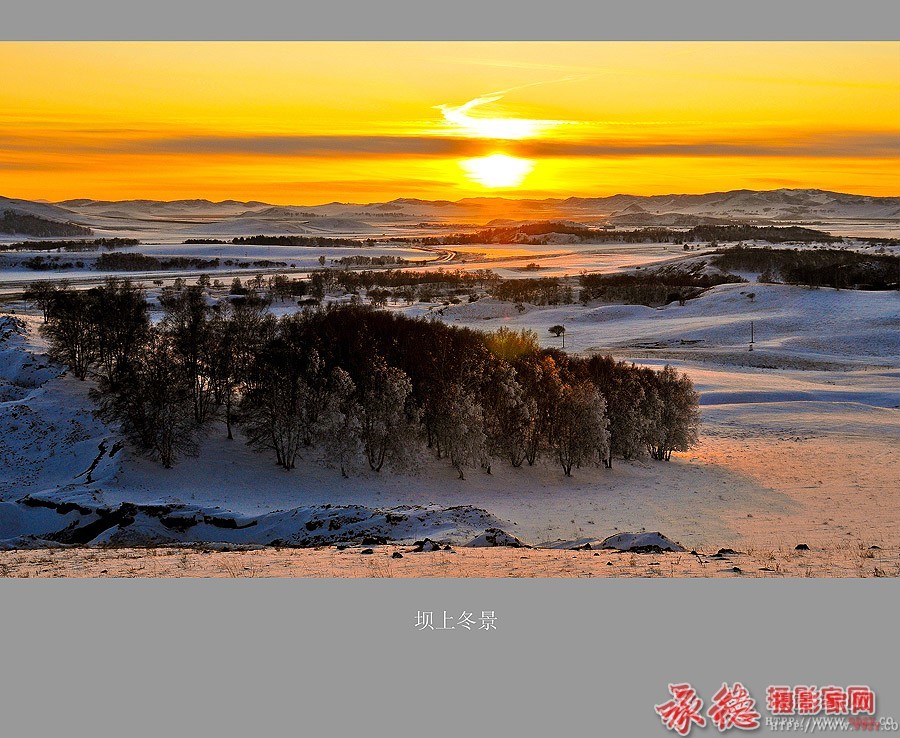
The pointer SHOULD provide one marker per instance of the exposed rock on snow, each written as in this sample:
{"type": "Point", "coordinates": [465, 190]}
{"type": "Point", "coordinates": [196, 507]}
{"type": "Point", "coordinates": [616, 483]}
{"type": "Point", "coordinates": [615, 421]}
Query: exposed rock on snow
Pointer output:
{"type": "Point", "coordinates": [641, 543]}
{"type": "Point", "coordinates": [10, 325]}
{"type": "Point", "coordinates": [54, 522]}
{"type": "Point", "coordinates": [496, 537]}
{"type": "Point", "coordinates": [426, 546]}
{"type": "Point", "coordinates": [580, 544]}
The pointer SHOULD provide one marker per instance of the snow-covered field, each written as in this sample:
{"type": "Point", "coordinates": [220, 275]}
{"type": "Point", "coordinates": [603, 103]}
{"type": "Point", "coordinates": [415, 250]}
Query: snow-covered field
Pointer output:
{"type": "Point", "coordinates": [244, 261]}
{"type": "Point", "coordinates": [799, 444]}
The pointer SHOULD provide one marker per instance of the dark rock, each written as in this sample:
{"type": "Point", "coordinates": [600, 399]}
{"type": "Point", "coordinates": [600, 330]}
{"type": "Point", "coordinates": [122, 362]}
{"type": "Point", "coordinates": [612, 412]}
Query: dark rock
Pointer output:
{"type": "Point", "coordinates": [178, 524]}
{"type": "Point", "coordinates": [227, 523]}
{"type": "Point", "coordinates": [426, 546]}
{"type": "Point", "coordinates": [801, 547]}
{"type": "Point", "coordinates": [396, 555]}
{"type": "Point", "coordinates": [367, 551]}
{"type": "Point", "coordinates": [122, 516]}
{"type": "Point", "coordinates": [374, 541]}
{"type": "Point", "coordinates": [496, 537]}
{"type": "Point", "coordinates": [653, 549]}
{"type": "Point", "coordinates": [641, 543]}
{"type": "Point", "coordinates": [725, 552]}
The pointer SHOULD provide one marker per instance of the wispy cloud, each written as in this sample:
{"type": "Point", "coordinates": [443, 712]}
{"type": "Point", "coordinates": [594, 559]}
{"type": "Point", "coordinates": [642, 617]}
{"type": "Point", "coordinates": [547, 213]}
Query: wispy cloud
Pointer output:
{"type": "Point", "coordinates": [341, 145]}
{"type": "Point", "coordinates": [876, 145]}
{"type": "Point", "coordinates": [835, 144]}
{"type": "Point", "coordinates": [500, 127]}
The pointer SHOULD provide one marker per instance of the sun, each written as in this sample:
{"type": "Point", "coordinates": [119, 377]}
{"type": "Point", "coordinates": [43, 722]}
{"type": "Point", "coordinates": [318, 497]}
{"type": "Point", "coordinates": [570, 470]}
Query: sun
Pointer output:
{"type": "Point", "coordinates": [497, 170]}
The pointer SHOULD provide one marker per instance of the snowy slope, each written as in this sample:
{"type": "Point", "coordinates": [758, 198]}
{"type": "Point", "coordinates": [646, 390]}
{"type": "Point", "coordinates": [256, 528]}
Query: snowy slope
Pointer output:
{"type": "Point", "coordinates": [60, 464]}
{"type": "Point", "coordinates": [799, 441]}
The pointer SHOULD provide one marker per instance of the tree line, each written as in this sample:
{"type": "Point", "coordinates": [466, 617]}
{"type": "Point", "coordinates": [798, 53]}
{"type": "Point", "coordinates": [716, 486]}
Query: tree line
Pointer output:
{"type": "Point", "coordinates": [839, 268]}
{"type": "Point", "coordinates": [723, 232]}
{"type": "Point", "coordinates": [82, 245]}
{"type": "Point", "coordinates": [357, 384]}
{"type": "Point", "coordinates": [12, 221]}
{"type": "Point", "coordinates": [656, 287]}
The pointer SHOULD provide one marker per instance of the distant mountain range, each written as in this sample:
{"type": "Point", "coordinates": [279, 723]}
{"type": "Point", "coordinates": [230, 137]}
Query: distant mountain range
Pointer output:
{"type": "Point", "coordinates": [204, 217]}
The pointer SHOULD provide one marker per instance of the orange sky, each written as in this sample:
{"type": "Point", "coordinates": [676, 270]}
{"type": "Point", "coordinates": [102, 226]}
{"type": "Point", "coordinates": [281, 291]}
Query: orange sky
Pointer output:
{"type": "Point", "coordinates": [312, 122]}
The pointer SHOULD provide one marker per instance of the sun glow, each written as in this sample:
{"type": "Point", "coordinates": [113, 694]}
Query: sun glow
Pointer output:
{"type": "Point", "coordinates": [497, 170]}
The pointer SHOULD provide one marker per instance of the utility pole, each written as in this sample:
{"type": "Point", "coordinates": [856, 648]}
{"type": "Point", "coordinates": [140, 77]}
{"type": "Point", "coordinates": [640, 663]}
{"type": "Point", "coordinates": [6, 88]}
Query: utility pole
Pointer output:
{"type": "Point", "coordinates": [751, 335]}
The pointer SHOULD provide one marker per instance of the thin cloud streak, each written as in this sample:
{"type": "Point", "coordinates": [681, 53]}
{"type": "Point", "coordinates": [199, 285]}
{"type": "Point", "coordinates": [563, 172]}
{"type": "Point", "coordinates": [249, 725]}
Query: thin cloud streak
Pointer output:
{"type": "Point", "coordinates": [342, 145]}
{"type": "Point", "coordinates": [851, 144]}
{"type": "Point", "coordinates": [828, 145]}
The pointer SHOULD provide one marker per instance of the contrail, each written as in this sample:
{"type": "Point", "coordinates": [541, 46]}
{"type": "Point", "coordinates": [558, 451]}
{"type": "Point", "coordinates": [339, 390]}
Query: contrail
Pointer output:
{"type": "Point", "coordinates": [508, 128]}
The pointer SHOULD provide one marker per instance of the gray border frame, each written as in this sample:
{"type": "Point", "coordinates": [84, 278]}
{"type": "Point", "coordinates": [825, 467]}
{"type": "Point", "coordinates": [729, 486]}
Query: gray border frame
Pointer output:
{"type": "Point", "coordinates": [452, 20]}
{"type": "Point", "coordinates": [297, 657]}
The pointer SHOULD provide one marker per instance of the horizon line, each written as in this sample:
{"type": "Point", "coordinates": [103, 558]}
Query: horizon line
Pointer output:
{"type": "Point", "coordinates": [59, 203]}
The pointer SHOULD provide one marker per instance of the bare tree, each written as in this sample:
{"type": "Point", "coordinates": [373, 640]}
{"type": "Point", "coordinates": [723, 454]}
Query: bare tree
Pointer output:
{"type": "Point", "coordinates": [42, 294]}
{"type": "Point", "coordinates": [459, 429]}
{"type": "Point", "coordinates": [386, 422]}
{"type": "Point", "coordinates": [272, 409]}
{"type": "Point", "coordinates": [579, 426]}
{"type": "Point", "coordinates": [186, 320]}
{"type": "Point", "coordinates": [121, 327]}
{"type": "Point", "coordinates": [507, 413]}
{"type": "Point", "coordinates": [155, 405]}
{"type": "Point", "coordinates": [675, 422]}
{"type": "Point", "coordinates": [341, 421]}
{"type": "Point", "coordinates": [543, 385]}
{"type": "Point", "coordinates": [70, 331]}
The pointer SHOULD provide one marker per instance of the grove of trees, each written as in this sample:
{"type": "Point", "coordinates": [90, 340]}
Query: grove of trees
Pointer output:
{"type": "Point", "coordinates": [840, 268]}
{"type": "Point", "coordinates": [358, 385]}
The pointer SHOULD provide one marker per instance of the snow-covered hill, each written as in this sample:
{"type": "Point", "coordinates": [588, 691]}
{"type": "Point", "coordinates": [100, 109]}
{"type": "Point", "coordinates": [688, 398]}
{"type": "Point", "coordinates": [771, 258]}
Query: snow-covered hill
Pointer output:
{"type": "Point", "coordinates": [674, 209]}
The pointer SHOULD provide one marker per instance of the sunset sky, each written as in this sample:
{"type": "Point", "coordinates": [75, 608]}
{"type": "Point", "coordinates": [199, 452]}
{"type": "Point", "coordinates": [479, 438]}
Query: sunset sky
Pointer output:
{"type": "Point", "coordinates": [313, 122]}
